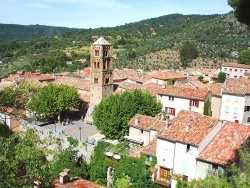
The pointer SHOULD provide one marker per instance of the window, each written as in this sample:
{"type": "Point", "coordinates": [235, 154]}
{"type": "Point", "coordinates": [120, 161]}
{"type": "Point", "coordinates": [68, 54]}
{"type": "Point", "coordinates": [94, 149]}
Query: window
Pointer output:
{"type": "Point", "coordinates": [164, 173]}
{"type": "Point", "coordinates": [235, 76]}
{"type": "Point", "coordinates": [170, 111]}
{"type": "Point", "coordinates": [171, 98]}
{"type": "Point", "coordinates": [241, 70]}
{"type": "Point", "coordinates": [141, 131]}
{"type": "Point", "coordinates": [194, 103]}
{"type": "Point", "coordinates": [230, 70]}
{"type": "Point", "coordinates": [228, 98]}
{"type": "Point", "coordinates": [247, 108]}
{"type": "Point", "coordinates": [96, 52]}
{"type": "Point", "coordinates": [106, 80]}
{"type": "Point", "coordinates": [214, 169]}
{"type": "Point", "coordinates": [95, 80]}
{"type": "Point", "coordinates": [248, 119]}
{"type": "Point", "coordinates": [188, 147]}
{"type": "Point", "coordinates": [235, 70]}
{"type": "Point", "coordinates": [98, 65]}
{"type": "Point", "coordinates": [225, 69]}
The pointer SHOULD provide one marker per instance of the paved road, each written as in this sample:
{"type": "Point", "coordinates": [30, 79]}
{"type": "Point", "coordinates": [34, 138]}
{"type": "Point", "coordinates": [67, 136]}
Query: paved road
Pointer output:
{"type": "Point", "coordinates": [78, 129]}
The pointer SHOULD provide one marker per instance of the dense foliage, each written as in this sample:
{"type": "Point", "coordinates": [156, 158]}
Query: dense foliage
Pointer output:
{"type": "Point", "coordinates": [53, 99]}
{"type": "Point", "coordinates": [24, 32]}
{"type": "Point", "coordinates": [111, 116]}
{"type": "Point", "coordinates": [24, 159]}
{"type": "Point", "coordinates": [221, 77]}
{"type": "Point", "coordinates": [137, 45]}
{"type": "Point", "coordinates": [188, 52]}
{"type": "Point", "coordinates": [241, 10]}
{"type": "Point", "coordinates": [244, 57]}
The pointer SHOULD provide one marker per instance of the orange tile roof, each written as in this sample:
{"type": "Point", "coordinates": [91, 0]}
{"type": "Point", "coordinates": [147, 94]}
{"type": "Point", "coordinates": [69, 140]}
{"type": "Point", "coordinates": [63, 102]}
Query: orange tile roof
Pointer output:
{"type": "Point", "coordinates": [235, 65]}
{"type": "Point", "coordinates": [189, 93]}
{"type": "Point", "coordinates": [147, 123]}
{"type": "Point", "coordinates": [77, 183]}
{"type": "Point", "coordinates": [130, 86]}
{"type": "Point", "coordinates": [216, 89]}
{"type": "Point", "coordinates": [78, 83]}
{"type": "Point", "coordinates": [223, 148]}
{"type": "Point", "coordinates": [236, 86]}
{"type": "Point", "coordinates": [137, 152]}
{"type": "Point", "coordinates": [38, 76]}
{"type": "Point", "coordinates": [166, 75]}
{"type": "Point", "coordinates": [188, 127]}
{"type": "Point", "coordinates": [150, 149]}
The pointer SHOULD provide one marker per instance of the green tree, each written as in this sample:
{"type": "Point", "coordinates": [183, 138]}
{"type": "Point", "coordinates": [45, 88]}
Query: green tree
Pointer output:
{"type": "Point", "coordinates": [53, 99]}
{"type": "Point", "coordinates": [200, 78]}
{"type": "Point", "coordinates": [111, 116]}
{"type": "Point", "coordinates": [188, 52]}
{"type": "Point", "coordinates": [221, 77]}
{"type": "Point", "coordinates": [241, 10]}
{"type": "Point", "coordinates": [244, 57]}
{"type": "Point", "coordinates": [207, 108]}
{"type": "Point", "coordinates": [98, 169]}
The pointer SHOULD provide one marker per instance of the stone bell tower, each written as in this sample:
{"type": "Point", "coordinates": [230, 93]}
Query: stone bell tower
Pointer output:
{"type": "Point", "coordinates": [101, 78]}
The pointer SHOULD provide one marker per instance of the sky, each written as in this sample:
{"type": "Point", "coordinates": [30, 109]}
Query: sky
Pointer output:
{"type": "Point", "coordinates": [100, 13]}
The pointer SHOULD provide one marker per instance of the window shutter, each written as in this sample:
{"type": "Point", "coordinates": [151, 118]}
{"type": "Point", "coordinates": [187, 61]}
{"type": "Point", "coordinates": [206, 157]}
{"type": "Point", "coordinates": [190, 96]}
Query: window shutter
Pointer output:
{"type": "Point", "coordinates": [245, 109]}
{"type": "Point", "coordinates": [197, 104]}
{"type": "Point", "coordinates": [173, 113]}
{"type": "Point", "coordinates": [190, 102]}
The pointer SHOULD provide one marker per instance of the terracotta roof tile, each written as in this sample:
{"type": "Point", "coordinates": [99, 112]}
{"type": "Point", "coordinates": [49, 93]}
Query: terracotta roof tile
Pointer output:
{"type": "Point", "coordinates": [235, 65]}
{"type": "Point", "coordinates": [189, 93]}
{"type": "Point", "coordinates": [166, 75]}
{"type": "Point", "coordinates": [137, 152]}
{"type": "Point", "coordinates": [188, 127]}
{"type": "Point", "coordinates": [236, 86]}
{"type": "Point", "coordinates": [147, 123]}
{"type": "Point", "coordinates": [223, 148]}
{"type": "Point", "coordinates": [78, 83]}
{"type": "Point", "coordinates": [150, 149]}
{"type": "Point", "coordinates": [130, 86]}
{"type": "Point", "coordinates": [216, 89]}
{"type": "Point", "coordinates": [78, 183]}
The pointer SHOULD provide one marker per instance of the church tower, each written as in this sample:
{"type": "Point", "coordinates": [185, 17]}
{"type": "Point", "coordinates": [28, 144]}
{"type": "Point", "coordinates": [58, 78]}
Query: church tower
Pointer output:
{"type": "Point", "coordinates": [101, 78]}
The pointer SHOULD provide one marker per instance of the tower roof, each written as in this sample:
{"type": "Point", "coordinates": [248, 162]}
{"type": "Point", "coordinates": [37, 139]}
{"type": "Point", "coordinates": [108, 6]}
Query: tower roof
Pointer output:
{"type": "Point", "coordinates": [101, 41]}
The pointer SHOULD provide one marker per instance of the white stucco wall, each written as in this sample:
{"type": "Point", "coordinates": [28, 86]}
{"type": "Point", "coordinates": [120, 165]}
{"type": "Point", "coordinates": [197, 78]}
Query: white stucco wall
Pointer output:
{"type": "Point", "coordinates": [165, 153]}
{"type": "Point", "coordinates": [201, 170]}
{"type": "Point", "coordinates": [185, 161]}
{"type": "Point", "coordinates": [139, 135]}
{"type": "Point", "coordinates": [179, 104]}
{"type": "Point", "coordinates": [228, 105]}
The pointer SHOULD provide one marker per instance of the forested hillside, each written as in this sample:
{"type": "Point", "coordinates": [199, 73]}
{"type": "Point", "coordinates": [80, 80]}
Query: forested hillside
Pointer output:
{"type": "Point", "coordinates": [136, 45]}
{"type": "Point", "coordinates": [23, 32]}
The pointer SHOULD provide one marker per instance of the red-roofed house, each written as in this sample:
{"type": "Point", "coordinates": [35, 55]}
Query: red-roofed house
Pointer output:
{"type": "Point", "coordinates": [235, 70]}
{"type": "Point", "coordinates": [222, 150]}
{"type": "Point", "coordinates": [162, 77]}
{"type": "Point", "coordinates": [174, 99]}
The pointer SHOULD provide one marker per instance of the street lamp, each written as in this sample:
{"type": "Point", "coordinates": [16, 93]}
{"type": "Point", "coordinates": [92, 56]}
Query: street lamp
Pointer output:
{"type": "Point", "coordinates": [80, 133]}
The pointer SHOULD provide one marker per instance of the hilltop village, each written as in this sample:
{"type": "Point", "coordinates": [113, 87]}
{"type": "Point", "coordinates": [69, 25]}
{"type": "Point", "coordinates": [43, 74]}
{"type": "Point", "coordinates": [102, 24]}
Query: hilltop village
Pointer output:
{"type": "Point", "coordinates": [201, 125]}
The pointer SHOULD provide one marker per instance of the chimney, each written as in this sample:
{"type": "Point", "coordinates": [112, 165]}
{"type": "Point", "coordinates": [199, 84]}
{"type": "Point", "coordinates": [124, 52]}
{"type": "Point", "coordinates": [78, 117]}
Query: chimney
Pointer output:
{"type": "Point", "coordinates": [136, 119]}
{"type": "Point", "coordinates": [167, 122]}
{"type": "Point", "coordinates": [64, 176]}
{"type": "Point", "coordinates": [187, 128]}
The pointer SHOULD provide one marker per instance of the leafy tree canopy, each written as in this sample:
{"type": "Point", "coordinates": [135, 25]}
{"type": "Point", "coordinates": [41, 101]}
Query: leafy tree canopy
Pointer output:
{"type": "Point", "coordinates": [188, 52]}
{"type": "Point", "coordinates": [241, 10]}
{"type": "Point", "coordinates": [244, 57]}
{"type": "Point", "coordinates": [111, 116]}
{"type": "Point", "coordinates": [53, 99]}
{"type": "Point", "coordinates": [221, 77]}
